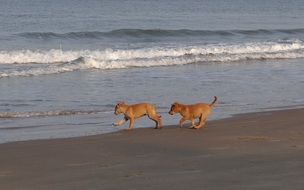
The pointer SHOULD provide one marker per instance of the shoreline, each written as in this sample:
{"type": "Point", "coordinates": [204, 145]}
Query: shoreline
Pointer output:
{"type": "Point", "coordinates": [123, 127]}
{"type": "Point", "coordinates": [261, 150]}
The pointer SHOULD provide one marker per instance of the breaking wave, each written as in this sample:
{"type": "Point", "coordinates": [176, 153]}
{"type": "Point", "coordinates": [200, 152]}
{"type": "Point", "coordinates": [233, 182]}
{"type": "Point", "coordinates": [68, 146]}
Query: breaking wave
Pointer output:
{"type": "Point", "coordinates": [142, 33]}
{"type": "Point", "coordinates": [39, 62]}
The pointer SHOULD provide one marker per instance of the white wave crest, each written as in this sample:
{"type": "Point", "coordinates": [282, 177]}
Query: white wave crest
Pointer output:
{"type": "Point", "coordinates": [58, 61]}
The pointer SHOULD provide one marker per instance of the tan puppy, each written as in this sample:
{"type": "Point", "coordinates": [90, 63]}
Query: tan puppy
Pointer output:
{"type": "Point", "coordinates": [135, 111]}
{"type": "Point", "coordinates": [191, 112]}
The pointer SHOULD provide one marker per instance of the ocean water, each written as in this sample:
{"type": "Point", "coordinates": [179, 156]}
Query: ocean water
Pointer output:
{"type": "Point", "coordinates": [65, 64]}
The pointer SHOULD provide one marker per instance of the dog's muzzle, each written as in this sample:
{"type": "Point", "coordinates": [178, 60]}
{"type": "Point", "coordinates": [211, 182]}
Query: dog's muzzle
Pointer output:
{"type": "Point", "coordinates": [171, 112]}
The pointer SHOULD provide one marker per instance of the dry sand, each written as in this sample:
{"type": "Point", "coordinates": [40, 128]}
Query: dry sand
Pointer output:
{"type": "Point", "coordinates": [253, 151]}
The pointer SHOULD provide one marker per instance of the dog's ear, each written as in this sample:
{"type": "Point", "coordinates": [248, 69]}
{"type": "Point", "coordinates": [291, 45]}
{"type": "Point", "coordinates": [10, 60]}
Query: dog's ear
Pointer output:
{"type": "Point", "coordinates": [121, 103]}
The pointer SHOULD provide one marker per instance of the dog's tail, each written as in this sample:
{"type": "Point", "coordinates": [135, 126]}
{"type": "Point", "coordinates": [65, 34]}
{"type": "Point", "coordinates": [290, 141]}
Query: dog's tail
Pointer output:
{"type": "Point", "coordinates": [214, 101]}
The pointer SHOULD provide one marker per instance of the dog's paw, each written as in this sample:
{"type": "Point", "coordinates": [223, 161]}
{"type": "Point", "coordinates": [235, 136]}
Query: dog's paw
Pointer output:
{"type": "Point", "coordinates": [198, 127]}
{"type": "Point", "coordinates": [128, 129]}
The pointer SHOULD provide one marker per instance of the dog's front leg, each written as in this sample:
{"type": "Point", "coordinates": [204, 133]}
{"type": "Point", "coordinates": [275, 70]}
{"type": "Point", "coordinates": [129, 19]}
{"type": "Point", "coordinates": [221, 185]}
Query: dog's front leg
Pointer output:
{"type": "Point", "coordinates": [131, 124]}
{"type": "Point", "coordinates": [181, 122]}
{"type": "Point", "coordinates": [120, 122]}
{"type": "Point", "coordinates": [192, 123]}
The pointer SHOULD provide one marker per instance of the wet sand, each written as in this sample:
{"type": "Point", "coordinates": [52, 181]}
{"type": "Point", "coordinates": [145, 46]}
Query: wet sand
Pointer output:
{"type": "Point", "coordinates": [252, 151]}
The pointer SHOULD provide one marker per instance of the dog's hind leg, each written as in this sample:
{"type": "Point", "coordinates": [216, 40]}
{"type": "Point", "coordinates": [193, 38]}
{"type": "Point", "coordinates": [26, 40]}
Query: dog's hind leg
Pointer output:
{"type": "Point", "coordinates": [153, 116]}
{"type": "Point", "coordinates": [157, 120]}
{"type": "Point", "coordinates": [202, 120]}
{"type": "Point", "coordinates": [201, 124]}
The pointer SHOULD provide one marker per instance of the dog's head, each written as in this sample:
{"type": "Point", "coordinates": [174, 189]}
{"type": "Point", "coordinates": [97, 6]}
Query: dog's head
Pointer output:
{"type": "Point", "coordinates": [120, 108]}
{"type": "Point", "coordinates": [175, 108]}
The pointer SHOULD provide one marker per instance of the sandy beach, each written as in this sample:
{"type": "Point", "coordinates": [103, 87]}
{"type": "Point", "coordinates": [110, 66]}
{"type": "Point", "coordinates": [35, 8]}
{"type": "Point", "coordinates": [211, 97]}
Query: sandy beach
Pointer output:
{"type": "Point", "coordinates": [64, 66]}
{"type": "Point", "coordinates": [252, 151]}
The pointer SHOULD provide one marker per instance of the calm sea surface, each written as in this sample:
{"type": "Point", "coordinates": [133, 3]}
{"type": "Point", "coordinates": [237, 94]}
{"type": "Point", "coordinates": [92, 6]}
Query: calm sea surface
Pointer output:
{"type": "Point", "coordinates": [64, 64]}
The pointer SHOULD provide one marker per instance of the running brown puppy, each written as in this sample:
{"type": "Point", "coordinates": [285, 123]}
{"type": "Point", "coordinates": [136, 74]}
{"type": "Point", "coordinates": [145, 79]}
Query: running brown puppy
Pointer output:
{"type": "Point", "coordinates": [191, 112]}
{"type": "Point", "coordinates": [135, 111]}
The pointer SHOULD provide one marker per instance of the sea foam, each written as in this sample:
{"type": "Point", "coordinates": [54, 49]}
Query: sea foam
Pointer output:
{"type": "Point", "coordinates": [11, 115]}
